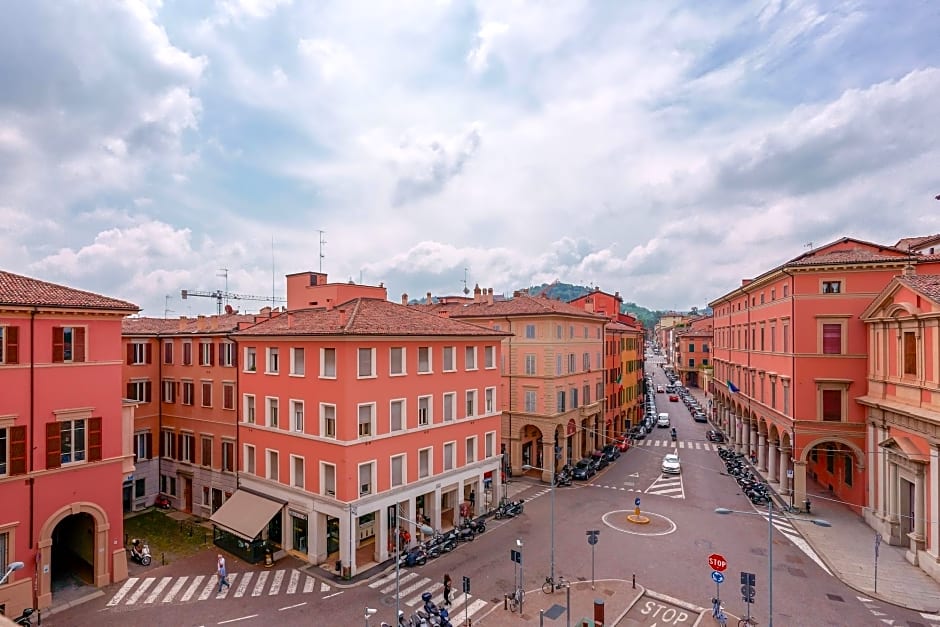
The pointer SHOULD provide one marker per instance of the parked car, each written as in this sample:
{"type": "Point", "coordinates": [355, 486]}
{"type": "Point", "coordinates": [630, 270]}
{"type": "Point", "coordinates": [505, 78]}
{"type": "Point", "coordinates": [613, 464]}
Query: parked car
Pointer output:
{"type": "Point", "coordinates": [663, 421]}
{"type": "Point", "coordinates": [622, 444]}
{"type": "Point", "coordinates": [671, 464]}
{"type": "Point", "coordinates": [674, 398]}
{"type": "Point", "coordinates": [583, 470]}
{"type": "Point", "coordinates": [715, 436]}
{"type": "Point", "coordinates": [611, 452]}
{"type": "Point", "coordinates": [699, 416]}
{"type": "Point", "coordinates": [600, 460]}
{"type": "Point", "coordinates": [660, 389]}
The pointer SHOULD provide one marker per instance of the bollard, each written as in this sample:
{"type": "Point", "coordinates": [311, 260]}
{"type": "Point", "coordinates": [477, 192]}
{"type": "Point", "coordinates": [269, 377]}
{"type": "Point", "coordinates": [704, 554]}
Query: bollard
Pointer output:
{"type": "Point", "coordinates": [634, 581]}
{"type": "Point", "coordinates": [599, 612]}
{"type": "Point", "coordinates": [163, 559]}
{"type": "Point", "coordinates": [505, 601]}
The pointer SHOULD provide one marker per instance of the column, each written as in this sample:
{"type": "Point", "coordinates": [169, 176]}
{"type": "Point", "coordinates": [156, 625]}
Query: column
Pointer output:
{"type": "Point", "coordinates": [347, 545]}
{"type": "Point", "coordinates": [761, 451]}
{"type": "Point", "coordinates": [382, 537]}
{"type": "Point", "coordinates": [933, 543]}
{"type": "Point", "coordinates": [739, 433]}
{"type": "Point", "coordinates": [435, 506]}
{"type": "Point", "coordinates": [873, 471]}
{"type": "Point", "coordinates": [892, 508]}
{"type": "Point", "coordinates": [459, 501]}
{"type": "Point", "coordinates": [548, 458]}
{"type": "Point", "coordinates": [784, 462]}
{"type": "Point", "coordinates": [772, 462]}
{"type": "Point", "coordinates": [799, 482]}
{"type": "Point", "coordinates": [754, 438]}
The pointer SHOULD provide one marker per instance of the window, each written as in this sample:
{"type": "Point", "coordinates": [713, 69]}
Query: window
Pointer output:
{"type": "Point", "coordinates": [470, 358]}
{"type": "Point", "coordinates": [450, 401]}
{"type": "Point", "coordinates": [227, 354]}
{"type": "Point", "coordinates": [187, 353]}
{"type": "Point", "coordinates": [424, 359]}
{"type": "Point", "coordinates": [396, 361]}
{"type": "Point", "coordinates": [832, 405]}
{"type": "Point", "coordinates": [365, 479]}
{"type": "Point", "coordinates": [530, 331]}
{"type": "Point", "coordinates": [597, 360]}
{"type": "Point", "coordinates": [140, 490]}
{"type": "Point", "coordinates": [168, 351]}
{"type": "Point", "coordinates": [366, 416]}
{"type": "Point", "coordinates": [773, 339]}
{"type": "Point", "coordinates": [424, 410]}
{"type": "Point", "coordinates": [188, 448]}
{"type": "Point", "coordinates": [559, 332]}
{"type": "Point", "coordinates": [143, 446]}
{"type": "Point", "coordinates": [68, 344]}
{"type": "Point", "coordinates": [910, 353]}
{"type": "Point", "coordinates": [471, 403]}
{"type": "Point", "coordinates": [72, 441]}
{"type": "Point", "coordinates": [206, 457]}
{"type": "Point", "coordinates": [832, 339]}
{"type": "Point", "coordinates": [490, 444]}
{"type": "Point", "coordinates": [138, 353]}
{"type": "Point", "coordinates": [249, 408]}
{"type": "Point", "coordinates": [272, 407]}
{"type": "Point", "coordinates": [786, 399]}
{"type": "Point", "coordinates": [558, 365]}
{"type": "Point", "coordinates": [169, 391]}
{"type": "Point", "coordinates": [139, 391]}
{"type": "Point", "coordinates": [168, 485]}
{"type": "Point", "coordinates": [691, 362]}
{"type": "Point", "coordinates": [489, 357]}
{"type": "Point", "coordinates": [847, 469]}
{"type": "Point", "coordinates": [530, 364]}
{"type": "Point", "coordinates": [272, 465]}
{"type": "Point", "coordinates": [207, 393]}
{"type": "Point", "coordinates": [398, 471]}
{"type": "Point", "coordinates": [586, 393]}
{"type": "Point", "coordinates": [297, 471]}
{"type": "Point", "coordinates": [206, 354]}
{"type": "Point", "coordinates": [584, 332]}
{"type": "Point", "coordinates": [327, 421]}
{"type": "Point", "coordinates": [773, 393]}
{"type": "Point", "coordinates": [574, 398]}
{"type": "Point", "coordinates": [297, 367]}
{"type": "Point", "coordinates": [586, 362]}
{"type": "Point", "coordinates": [560, 401]}
{"type": "Point", "coordinates": [189, 392]}
{"type": "Point", "coordinates": [424, 463]}
{"type": "Point", "coordinates": [448, 456]}
{"type": "Point", "coordinates": [530, 401]}
{"type": "Point", "coordinates": [228, 396]}
{"type": "Point", "coordinates": [831, 287]}
{"type": "Point", "coordinates": [691, 348]}
{"type": "Point", "coordinates": [251, 360]}
{"type": "Point", "coordinates": [328, 479]}
{"type": "Point", "coordinates": [571, 363]}
{"type": "Point", "coordinates": [705, 348]}
{"type": "Point", "coordinates": [273, 364]}
{"type": "Point", "coordinates": [327, 363]}
{"type": "Point", "coordinates": [449, 364]}
{"type": "Point", "coordinates": [786, 338]}
{"type": "Point", "coordinates": [471, 450]}
{"type": "Point", "coordinates": [489, 401]}
{"type": "Point", "coordinates": [786, 291]}
{"type": "Point", "coordinates": [366, 363]}
{"type": "Point", "coordinates": [297, 416]}
{"type": "Point", "coordinates": [396, 412]}
{"type": "Point", "coordinates": [571, 331]}
{"type": "Point", "coordinates": [228, 456]}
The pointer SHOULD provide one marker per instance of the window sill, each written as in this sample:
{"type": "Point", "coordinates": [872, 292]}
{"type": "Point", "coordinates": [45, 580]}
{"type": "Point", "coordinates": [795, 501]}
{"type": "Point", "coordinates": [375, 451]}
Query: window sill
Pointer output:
{"type": "Point", "coordinates": [272, 372]}
{"type": "Point", "coordinates": [397, 374]}
{"type": "Point", "coordinates": [297, 375]}
{"type": "Point", "coordinates": [327, 377]}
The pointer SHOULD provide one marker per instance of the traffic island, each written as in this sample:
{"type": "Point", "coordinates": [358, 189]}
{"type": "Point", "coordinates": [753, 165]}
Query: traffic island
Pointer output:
{"type": "Point", "coordinates": [648, 524]}
{"type": "Point", "coordinates": [637, 518]}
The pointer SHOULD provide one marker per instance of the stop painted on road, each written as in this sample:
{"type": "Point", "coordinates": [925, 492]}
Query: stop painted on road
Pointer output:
{"type": "Point", "coordinates": [650, 612]}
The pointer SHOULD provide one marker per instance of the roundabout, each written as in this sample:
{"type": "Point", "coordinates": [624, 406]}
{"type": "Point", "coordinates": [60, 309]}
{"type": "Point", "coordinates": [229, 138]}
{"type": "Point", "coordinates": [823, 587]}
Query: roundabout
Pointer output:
{"type": "Point", "coordinates": [647, 524]}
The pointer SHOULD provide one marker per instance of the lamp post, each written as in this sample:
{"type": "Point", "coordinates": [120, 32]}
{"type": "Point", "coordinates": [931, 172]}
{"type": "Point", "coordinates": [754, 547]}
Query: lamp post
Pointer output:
{"type": "Point", "coordinates": [551, 572]}
{"type": "Point", "coordinates": [424, 529]}
{"type": "Point", "coordinates": [13, 566]}
{"type": "Point", "coordinates": [770, 549]}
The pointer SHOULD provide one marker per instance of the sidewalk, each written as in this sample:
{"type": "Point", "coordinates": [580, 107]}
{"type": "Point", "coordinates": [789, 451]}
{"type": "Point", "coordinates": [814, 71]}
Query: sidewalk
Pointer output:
{"type": "Point", "coordinates": [617, 596]}
{"type": "Point", "coordinates": [848, 549]}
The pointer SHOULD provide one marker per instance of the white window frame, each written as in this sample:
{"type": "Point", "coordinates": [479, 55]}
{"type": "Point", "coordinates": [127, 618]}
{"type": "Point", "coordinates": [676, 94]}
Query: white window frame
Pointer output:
{"type": "Point", "coordinates": [489, 357]}
{"type": "Point", "coordinates": [530, 331]}
{"type": "Point", "coordinates": [533, 396]}
{"type": "Point", "coordinates": [324, 486]}
{"type": "Point", "coordinates": [296, 404]}
{"type": "Point", "coordinates": [470, 450]}
{"type": "Point", "coordinates": [402, 361]}
{"type": "Point", "coordinates": [428, 417]}
{"type": "Point", "coordinates": [453, 407]}
{"type": "Point", "coordinates": [471, 402]}
{"type": "Point", "coordinates": [489, 401]}
{"type": "Point", "coordinates": [324, 363]}
{"type": "Point", "coordinates": [272, 360]}
{"type": "Point", "coordinates": [470, 358]}
{"type": "Point", "coordinates": [402, 415]}
{"type": "Point", "coordinates": [251, 359]}
{"type": "Point", "coordinates": [227, 354]}
{"type": "Point", "coordinates": [452, 446]}
{"type": "Point", "coordinates": [430, 454]}
{"type": "Point", "coordinates": [140, 438]}
{"type": "Point", "coordinates": [301, 485]}
{"type": "Point", "coordinates": [372, 424]}
{"type": "Point", "coordinates": [449, 359]}
{"type": "Point", "coordinates": [324, 422]}
{"type": "Point", "coordinates": [371, 374]}
{"type": "Point", "coordinates": [140, 353]}
{"type": "Point", "coordinates": [250, 407]}
{"type": "Point", "coordinates": [404, 470]}
{"type": "Point", "coordinates": [205, 353]}
{"type": "Point", "coordinates": [272, 418]}
{"type": "Point", "coordinates": [490, 444]}
{"type": "Point", "coordinates": [270, 455]}
{"type": "Point", "coordinates": [530, 364]}
{"type": "Point", "coordinates": [429, 353]}
{"type": "Point", "coordinates": [249, 460]}
{"type": "Point", "coordinates": [294, 352]}
{"type": "Point", "coordinates": [372, 478]}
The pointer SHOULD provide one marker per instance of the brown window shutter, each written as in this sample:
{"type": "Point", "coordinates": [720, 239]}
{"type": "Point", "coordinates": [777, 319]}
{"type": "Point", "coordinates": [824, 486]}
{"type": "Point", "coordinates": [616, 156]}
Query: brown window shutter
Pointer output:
{"type": "Point", "coordinates": [12, 353]}
{"type": "Point", "coordinates": [148, 387]}
{"type": "Point", "coordinates": [53, 445]}
{"type": "Point", "coordinates": [229, 394]}
{"type": "Point", "coordinates": [18, 450]}
{"type": "Point", "coordinates": [78, 344]}
{"type": "Point", "coordinates": [136, 450]}
{"type": "Point", "coordinates": [211, 354]}
{"type": "Point", "coordinates": [177, 454]}
{"type": "Point", "coordinates": [130, 353]}
{"type": "Point", "coordinates": [148, 353]}
{"type": "Point", "coordinates": [130, 390]}
{"type": "Point", "coordinates": [94, 439]}
{"type": "Point", "coordinates": [148, 438]}
{"type": "Point", "coordinates": [163, 450]}
{"type": "Point", "coordinates": [58, 345]}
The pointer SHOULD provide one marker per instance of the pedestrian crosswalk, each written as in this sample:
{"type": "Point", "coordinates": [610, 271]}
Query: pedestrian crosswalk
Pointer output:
{"type": "Point", "coordinates": [696, 445]}
{"type": "Point", "coordinates": [784, 526]}
{"type": "Point", "coordinates": [411, 585]}
{"type": "Point", "coordinates": [667, 485]}
{"type": "Point", "coordinates": [154, 590]}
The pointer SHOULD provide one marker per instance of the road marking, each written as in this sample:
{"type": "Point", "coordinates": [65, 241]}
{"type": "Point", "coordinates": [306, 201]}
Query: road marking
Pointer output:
{"type": "Point", "coordinates": [192, 588]}
{"type": "Point", "coordinates": [139, 592]}
{"type": "Point", "coordinates": [419, 584]}
{"type": "Point", "coordinates": [212, 584]}
{"type": "Point", "coordinates": [163, 583]}
{"type": "Point", "coordinates": [276, 584]}
{"type": "Point", "coordinates": [259, 586]}
{"type": "Point", "coordinates": [120, 594]}
{"type": "Point", "coordinates": [235, 620]}
{"type": "Point", "coordinates": [294, 580]}
{"type": "Point", "coordinates": [384, 580]}
{"type": "Point", "coordinates": [324, 587]}
{"type": "Point", "coordinates": [335, 594]}
{"type": "Point", "coordinates": [243, 585]}
{"type": "Point", "coordinates": [415, 600]}
{"type": "Point", "coordinates": [308, 584]}
{"type": "Point", "coordinates": [406, 577]}
{"type": "Point", "coordinates": [175, 589]}
{"type": "Point", "coordinates": [290, 607]}
{"type": "Point", "coordinates": [475, 607]}
{"type": "Point", "coordinates": [221, 594]}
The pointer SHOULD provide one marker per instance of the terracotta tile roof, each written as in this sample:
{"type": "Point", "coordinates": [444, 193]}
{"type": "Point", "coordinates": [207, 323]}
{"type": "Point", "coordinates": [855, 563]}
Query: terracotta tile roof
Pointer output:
{"type": "Point", "coordinates": [619, 326]}
{"type": "Point", "coordinates": [913, 242]}
{"type": "Point", "coordinates": [367, 316]}
{"type": "Point", "coordinates": [926, 284]}
{"type": "Point", "coordinates": [184, 326]}
{"type": "Point", "coordinates": [522, 305]}
{"type": "Point", "coordinates": [695, 333]}
{"type": "Point", "coordinates": [24, 291]}
{"type": "Point", "coordinates": [859, 255]}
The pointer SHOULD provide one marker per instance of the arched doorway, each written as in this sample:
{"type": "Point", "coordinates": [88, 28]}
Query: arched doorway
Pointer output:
{"type": "Point", "coordinates": [531, 442]}
{"type": "Point", "coordinates": [73, 551]}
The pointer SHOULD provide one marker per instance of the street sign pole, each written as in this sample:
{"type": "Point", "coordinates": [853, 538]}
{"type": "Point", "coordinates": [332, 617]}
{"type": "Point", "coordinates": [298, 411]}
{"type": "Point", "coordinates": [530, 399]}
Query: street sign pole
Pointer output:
{"type": "Point", "coordinates": [466, 592]}
{"type": "Point", "coordinates": [592, 540]}
{"type": "Point", "coordinates": [877, 546]}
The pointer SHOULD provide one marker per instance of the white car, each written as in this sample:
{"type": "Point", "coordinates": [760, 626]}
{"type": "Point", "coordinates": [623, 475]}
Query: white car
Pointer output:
{"type": "Point", "coordinates": [671, 464]}
{"type": "Point", "coordinates": [660, 389]}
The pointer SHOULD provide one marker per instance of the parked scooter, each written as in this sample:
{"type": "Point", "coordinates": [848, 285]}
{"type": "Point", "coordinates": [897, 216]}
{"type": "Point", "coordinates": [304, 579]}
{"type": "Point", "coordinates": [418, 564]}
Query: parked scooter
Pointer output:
{"type": "Point", "coordinates": [140, 552]}
{"type": "Point", "coordinates": [23, 619]}
{"type": "Point", "coordinates": [414, 556]}
{"type": "Point", "coordinates": [510, 509]}
{"type": "Point", "coordinates": [477, 524]}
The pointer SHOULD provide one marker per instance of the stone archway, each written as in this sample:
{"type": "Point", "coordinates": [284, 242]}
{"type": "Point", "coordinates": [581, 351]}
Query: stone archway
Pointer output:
{"type": "Point", "coordinates": [531, 443]}
{"type": "Point", "coordinates": [97, 528]}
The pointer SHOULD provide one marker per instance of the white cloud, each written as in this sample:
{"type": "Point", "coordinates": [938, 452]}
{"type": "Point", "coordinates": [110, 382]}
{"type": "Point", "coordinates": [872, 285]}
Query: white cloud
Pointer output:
{"type": "Point", "coordinates": [331, 59]}
{"type": "Point", "coordinates": [478, 57]}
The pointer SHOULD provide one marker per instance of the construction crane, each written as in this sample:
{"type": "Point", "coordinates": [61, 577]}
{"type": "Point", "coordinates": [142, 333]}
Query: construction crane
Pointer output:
{"type": "Point", "coordinates": [221, 296]}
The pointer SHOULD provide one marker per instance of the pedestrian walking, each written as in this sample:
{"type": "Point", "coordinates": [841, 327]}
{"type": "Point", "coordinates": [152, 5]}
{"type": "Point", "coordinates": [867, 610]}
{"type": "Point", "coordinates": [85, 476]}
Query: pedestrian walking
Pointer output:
{"type": "Point", "coordinates": [223, 573]}
{"type": "Point", "coordinates": [447, 589]}
{"type": "Point", "coordinates": [473, 502]}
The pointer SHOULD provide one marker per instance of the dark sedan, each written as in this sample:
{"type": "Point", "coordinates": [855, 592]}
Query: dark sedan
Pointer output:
{"type": "Point", "coordinates": [715, 436]}
{"type": "Point", "coordinates": [583, 470]}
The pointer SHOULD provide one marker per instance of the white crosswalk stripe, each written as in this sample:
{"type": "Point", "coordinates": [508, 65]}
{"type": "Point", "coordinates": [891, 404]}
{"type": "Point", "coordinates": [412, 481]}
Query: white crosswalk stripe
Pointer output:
{"type": "Point", "coordinates": [462, 605]}
{"type": "Point", "coordinates": [381, 582]}
{"type": "Point", "coordinates": [787, 529]}
{"type": "Point", "coordinates": [667, 485]}
{"type": "Point", "coordinates": [689, 444]}
{"type": "Point", "coordinates": [408, 576]}
{"type": "Point", "coordinates": [169, 589]}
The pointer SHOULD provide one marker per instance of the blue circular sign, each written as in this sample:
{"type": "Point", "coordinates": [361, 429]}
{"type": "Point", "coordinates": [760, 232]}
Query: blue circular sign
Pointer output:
{"type": "Point", "coordinates": [717, 577]}
{"type": "Point", "coordinates": [636, 501]}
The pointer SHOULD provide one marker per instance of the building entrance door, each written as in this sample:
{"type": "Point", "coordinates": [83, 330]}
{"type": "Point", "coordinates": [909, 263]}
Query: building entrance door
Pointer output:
{"type": "Point", "coordinates": [187, 494]}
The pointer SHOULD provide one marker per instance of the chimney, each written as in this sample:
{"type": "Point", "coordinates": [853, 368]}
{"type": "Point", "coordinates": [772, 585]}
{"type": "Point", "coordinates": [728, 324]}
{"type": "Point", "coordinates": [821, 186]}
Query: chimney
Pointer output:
{"type": "Point", "coordinates": [489, 296]}
{"type": "Point", "coordinates": [183, 322]}
{"type": "Point", "coordinates": [908, 270]}
{"type": "Point", "coordinates": [200, 323]}
{"type": "Point", "coordinates": [342, 317]}
{"type": "Point", "coordinates": [443, 313]}
{"type": "Point", "coordinates": [517, 293]}
{"type": "Point", "coordinates": [404, 299]}
{"type": "Point", "coordinates": [290, 320]}
{"type": "Point", "coordinates": [427, 299]}
{"type": "Point", "coordinates": [265, 311]}
{"type": "Point", "coordinates": [477, 293]}
{"type": "Point", "coordinates": [589, 305]}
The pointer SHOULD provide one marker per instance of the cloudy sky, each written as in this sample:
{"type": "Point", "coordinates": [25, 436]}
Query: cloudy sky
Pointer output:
{"type": "Point", "coordinates": [661, 149]}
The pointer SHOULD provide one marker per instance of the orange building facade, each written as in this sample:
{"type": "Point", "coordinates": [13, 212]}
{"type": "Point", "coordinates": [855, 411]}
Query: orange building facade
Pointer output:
{"type": "Point", "coordinates": [65, 447]}
{"type": "Point", "coordinates": [693, 362]}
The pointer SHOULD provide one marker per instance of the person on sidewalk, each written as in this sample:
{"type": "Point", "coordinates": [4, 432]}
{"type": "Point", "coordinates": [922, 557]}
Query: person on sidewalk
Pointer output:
{"type": "Point", "coordinates": [447, 589]}
{"type": "Point", "coordinates": [223, 573]}
{"type": "Point", "coordinates": [473, 503]}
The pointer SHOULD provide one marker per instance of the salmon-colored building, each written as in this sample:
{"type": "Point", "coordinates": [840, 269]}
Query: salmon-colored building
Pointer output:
{"type": "Point", "coordinates": [791, 358]}
{"type": "Point", "coordinates": [65, 446]}
{"type": "Point", "coordinates": [902, 402]}
{"type": "Point", "coordinates": [693, 351]}
{"type": "Point", "coordinates": [553, 376]}
{"type": "Point", "coordinates": [352, 412]}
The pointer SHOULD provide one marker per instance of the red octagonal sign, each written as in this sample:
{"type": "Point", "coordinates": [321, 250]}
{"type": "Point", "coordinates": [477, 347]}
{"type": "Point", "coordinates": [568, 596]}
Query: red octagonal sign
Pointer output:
{"type": "Point", "coordinates": [717, 562]}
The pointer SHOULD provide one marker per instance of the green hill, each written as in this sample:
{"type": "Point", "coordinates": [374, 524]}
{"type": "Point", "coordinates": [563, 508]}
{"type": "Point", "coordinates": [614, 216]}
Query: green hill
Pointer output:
{"type": "Point", "coordinates": [567, 292]}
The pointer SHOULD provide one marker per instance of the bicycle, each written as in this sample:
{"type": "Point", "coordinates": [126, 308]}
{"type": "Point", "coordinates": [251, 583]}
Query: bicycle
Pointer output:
{"type": "Point", "coordinates": [747, 622]}
{"type": "Point", "coordinates": [515, 599]}
{"type": "Point", "coordinates": [550, 586]}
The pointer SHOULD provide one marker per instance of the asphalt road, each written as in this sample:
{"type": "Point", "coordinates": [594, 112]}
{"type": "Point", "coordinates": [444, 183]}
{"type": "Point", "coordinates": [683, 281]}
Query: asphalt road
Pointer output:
{"type": "Point", "coordinates": [668, 556]}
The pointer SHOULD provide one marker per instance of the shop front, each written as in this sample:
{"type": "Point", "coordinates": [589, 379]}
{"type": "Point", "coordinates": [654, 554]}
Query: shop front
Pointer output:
{"type": "Point", "coordinates": [247, 525]}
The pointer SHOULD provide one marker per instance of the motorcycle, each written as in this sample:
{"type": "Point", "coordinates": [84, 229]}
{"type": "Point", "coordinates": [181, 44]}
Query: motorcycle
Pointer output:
{"type": "Point", "coordinates": [510, 510]}
{"type": "Point", "coordinates": [478, 524]}
{"type": "Point", "coordinates": [415, 556]}
{"type": "Point", "coordinates": [162, 501]}
{"type": "Point", "coordinates": [436, 616]}
{"type": "Point", "coordinates": [23, 619]}
{"type": "Point", "coordinates": [447, 544]}
{"type": "Point", "coordinates": [140, 552]}
{"type": "Point", "coordinates": [673, 434]}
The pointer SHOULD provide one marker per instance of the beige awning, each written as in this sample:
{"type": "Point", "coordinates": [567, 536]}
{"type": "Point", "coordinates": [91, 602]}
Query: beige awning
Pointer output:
{"type": "Point", "coordinates": [245, 514]}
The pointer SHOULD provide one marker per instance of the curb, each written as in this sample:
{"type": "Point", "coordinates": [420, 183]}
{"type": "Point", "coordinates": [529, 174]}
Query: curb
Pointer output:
{"type": "Point", "coordinates": [55, 609]}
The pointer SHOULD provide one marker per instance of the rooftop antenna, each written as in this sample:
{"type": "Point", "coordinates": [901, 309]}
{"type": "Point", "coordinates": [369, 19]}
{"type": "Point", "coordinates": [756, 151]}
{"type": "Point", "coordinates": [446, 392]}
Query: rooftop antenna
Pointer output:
{"type": "Point", "coordinates": [272, 273]}
{"type": "Point", "coordinates": [360, 278]}
{"type": "Point", "coordinates": [808, 245]}
{"type": "Point", "coordinates": [166, 306]}
{"type": "Point", "coordinates": [322, 242]}
{"type": "Point", "coordinates": [466, 290]}
{"type": "Point", "coordinates": [223, 272]}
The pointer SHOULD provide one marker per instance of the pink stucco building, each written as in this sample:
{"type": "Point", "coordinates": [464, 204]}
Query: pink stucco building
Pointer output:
{"type": "Point", "coordinates": [693, 342]}
{"type": "Point", "coordinates": [65, 447]}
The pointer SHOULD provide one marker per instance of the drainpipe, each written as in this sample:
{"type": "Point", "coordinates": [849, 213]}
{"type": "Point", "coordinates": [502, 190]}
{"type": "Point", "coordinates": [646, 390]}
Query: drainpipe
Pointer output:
{"type": "Point", "coordinates": [159, 432]}
{"type": "Point", "coordinates": [238, 405]}
{"type": "Point", "coordinates": [32, 421]}
{"type": "Point", "coordinates": [509, 448]}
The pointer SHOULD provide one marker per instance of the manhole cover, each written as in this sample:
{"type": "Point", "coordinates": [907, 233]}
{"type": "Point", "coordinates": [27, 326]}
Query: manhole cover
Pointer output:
{"type": "Point", "coordinates": [835, 597]}
{"type": "Point", "coordinates": [759, 551]}
{"type": "Point", "coordinates": [796, 572]}
{"type": "Point", "coordinates": [555, 611]}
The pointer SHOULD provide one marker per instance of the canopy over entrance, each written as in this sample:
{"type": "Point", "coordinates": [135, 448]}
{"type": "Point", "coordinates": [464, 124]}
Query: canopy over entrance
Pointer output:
{"type": "Point", "coordinates": [245, 514]}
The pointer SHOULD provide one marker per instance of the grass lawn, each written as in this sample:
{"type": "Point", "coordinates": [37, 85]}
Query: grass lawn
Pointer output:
{"type": "Point", "coordinates": [167, 537]}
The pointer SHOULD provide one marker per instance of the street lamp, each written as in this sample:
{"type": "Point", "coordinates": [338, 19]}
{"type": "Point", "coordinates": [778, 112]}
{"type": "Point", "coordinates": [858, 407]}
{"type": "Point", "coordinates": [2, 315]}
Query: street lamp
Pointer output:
{"type": "Point", "coordinates": [551, 573]}
{"type": "Point", "coordinates": [770, 549]}
{"type": "Point", "coordinates": [10, 568]}
{"type": "Point", "coordinates": [424, 529]}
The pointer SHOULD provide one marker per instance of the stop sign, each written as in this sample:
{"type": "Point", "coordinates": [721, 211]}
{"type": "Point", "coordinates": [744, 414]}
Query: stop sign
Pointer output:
{"type": "Point", "coordinates": [717, 562]}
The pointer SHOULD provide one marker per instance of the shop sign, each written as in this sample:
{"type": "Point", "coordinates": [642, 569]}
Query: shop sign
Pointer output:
{"type": "Point", "coordinates": [297, 514]}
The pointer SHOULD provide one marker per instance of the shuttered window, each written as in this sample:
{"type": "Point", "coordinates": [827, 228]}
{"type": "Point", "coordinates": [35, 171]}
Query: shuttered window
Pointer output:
{"type": "Point", "coordinates": [832, 339]}
{"type": "Point", "coordinates": [68, 344]}
{"type": "Point", "coordinates": [910, 353]}
{"type": "Point", "coordinates": [9, 345]}
{"type": "Point", "coordinates": [832, 405]}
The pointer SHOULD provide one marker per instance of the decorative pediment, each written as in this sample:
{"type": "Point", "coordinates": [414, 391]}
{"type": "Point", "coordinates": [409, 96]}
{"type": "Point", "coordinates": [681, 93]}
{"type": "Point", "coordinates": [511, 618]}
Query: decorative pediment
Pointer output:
{"type": "Point", "coordinates": [903, 447]}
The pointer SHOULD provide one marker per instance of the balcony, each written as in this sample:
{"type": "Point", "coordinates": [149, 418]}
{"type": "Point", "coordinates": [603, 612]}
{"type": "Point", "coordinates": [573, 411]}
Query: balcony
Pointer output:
{"type": "Point", "coordinates": [586, 411]}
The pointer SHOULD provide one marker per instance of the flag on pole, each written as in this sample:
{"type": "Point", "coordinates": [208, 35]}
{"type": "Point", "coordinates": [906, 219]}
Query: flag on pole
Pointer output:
{"type": "Point", "coordinates": [732, 387]}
